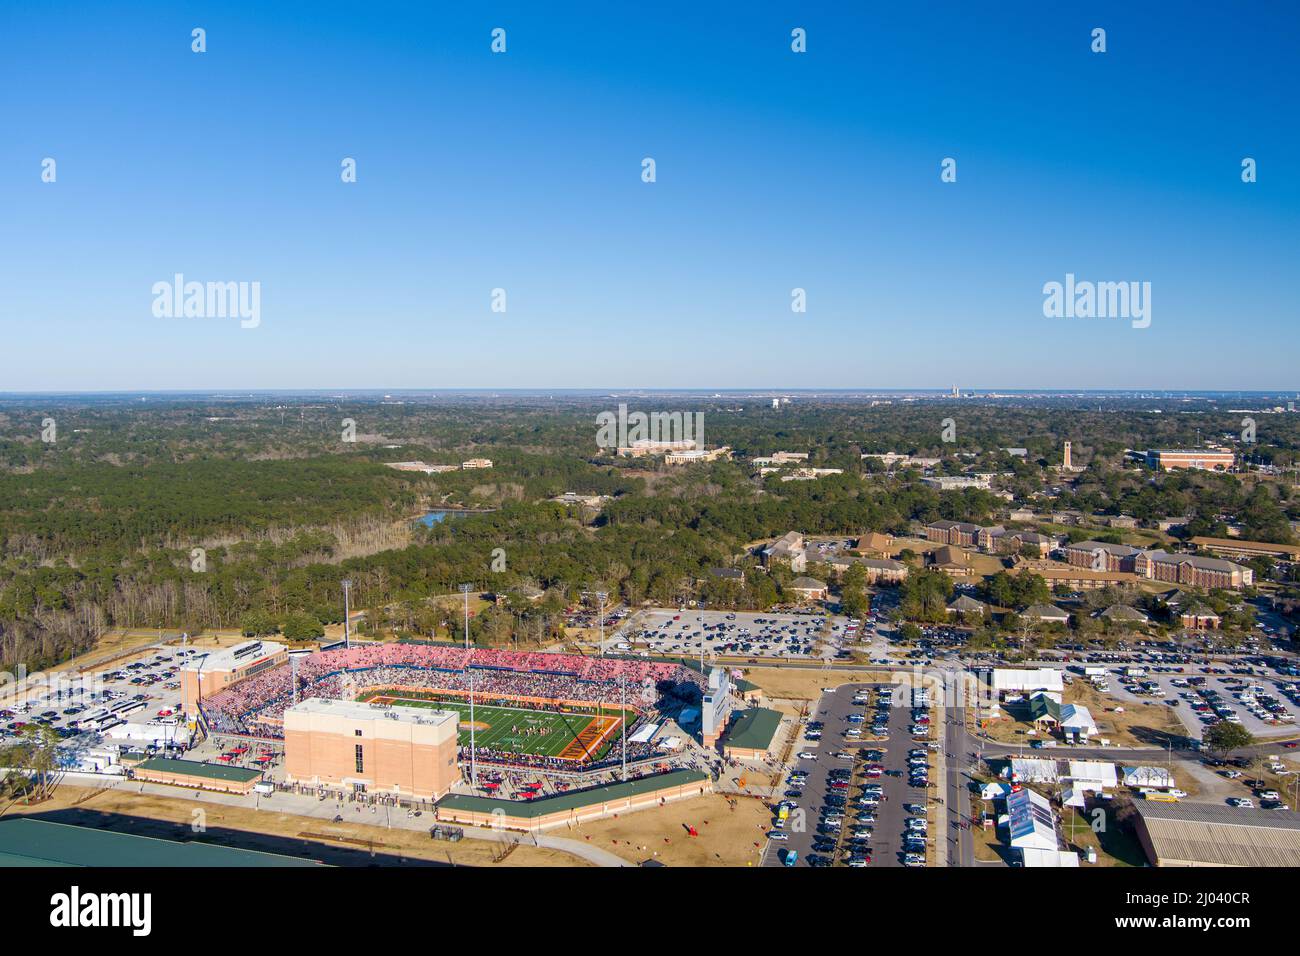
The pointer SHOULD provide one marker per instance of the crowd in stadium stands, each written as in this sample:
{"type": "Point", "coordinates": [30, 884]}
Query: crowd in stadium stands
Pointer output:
{"type": "Point", "coordinates": [256, 704]}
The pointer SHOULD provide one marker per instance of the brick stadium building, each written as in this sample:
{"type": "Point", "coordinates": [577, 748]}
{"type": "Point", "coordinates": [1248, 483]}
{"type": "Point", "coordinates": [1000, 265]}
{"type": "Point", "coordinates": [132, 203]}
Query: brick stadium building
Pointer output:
{"type": "Point", "coordinates": [1201, 459]}
{"type": "Point", "coordinates": [208, 674]}
{"type": "Point", "coordinates": [394, 749]}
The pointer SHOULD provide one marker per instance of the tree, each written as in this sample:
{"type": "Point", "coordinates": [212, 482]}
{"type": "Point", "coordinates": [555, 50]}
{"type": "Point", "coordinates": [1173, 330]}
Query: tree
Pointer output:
{"type": "Point", "coordinates": [1224, 736]}
{"type": "Point", "coordinates": [301, 626]}
{"type": "Point", "coordinates": [257, 624]}
{"type": "Point", "coordinates": [36, 752]}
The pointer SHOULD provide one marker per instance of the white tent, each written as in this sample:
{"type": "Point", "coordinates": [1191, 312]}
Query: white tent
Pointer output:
{"type": "Point", "coordinates": [1027, 679]}
{"type": "Point", "coordinates": [1055, 858]}
{"type": "Point", "coordinates": [1093, 775]}
{"type": "Point", "coordinates": [1029, 770]}
{"type": "Point", "coordinates": [1157, 777]}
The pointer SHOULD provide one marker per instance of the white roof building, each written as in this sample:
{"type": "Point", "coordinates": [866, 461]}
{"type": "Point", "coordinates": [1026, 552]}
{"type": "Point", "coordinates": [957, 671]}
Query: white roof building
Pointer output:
{"type": "Point", "coordinates": [1095, 775]}
{"type": "Point", "coordinates": [1076, 720]}
{"type": "Point", "coordinates": [1030, 821]}
{"type": "Point", "coordinates": [1026, 679]}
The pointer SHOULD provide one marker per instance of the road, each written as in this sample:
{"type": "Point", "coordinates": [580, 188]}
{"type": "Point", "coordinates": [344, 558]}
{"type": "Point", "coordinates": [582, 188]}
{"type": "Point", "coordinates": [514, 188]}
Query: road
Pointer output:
{"type": "Point", "coordinates": [961, 756]}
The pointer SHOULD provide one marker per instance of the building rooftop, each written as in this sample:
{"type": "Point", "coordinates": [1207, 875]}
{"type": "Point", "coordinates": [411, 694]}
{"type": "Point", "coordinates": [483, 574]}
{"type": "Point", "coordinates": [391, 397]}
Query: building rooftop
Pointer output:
{"type": "Point", "coordinates": [1217, 835]}
{"type": "Point", "coordinates": [28, 842]}
{"type": "Point", "coordinates": [572, 800]}
{"type": "Point", "coordinates": [229, 658]}
{"type": "Point", "coordinates": [1048, 612]}
{"type": "Point", "coordinates": [754, 729]}
{"type": "Point", "coordinates": [359, 710]}
{"type": "Point", "coordinates": [194, 768]}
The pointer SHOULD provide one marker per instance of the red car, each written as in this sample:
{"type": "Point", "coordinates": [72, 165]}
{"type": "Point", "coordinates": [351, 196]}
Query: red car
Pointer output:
{"type": "Point", "coordinates": [1291, 746]}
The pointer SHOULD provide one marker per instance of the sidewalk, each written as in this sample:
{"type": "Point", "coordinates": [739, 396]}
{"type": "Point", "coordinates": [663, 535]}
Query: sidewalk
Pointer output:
{"type": "Point", "coordinates": [381, 816]}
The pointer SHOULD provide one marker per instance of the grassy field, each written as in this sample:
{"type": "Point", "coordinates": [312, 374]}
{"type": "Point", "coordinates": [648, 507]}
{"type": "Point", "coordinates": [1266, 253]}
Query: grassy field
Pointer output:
{"type": "Point", "coordinates": [517, 730]}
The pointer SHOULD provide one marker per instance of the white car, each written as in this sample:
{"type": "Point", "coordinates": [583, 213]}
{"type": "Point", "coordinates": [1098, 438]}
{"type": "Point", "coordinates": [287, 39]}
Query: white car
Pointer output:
{"type": "Point", "coordinates": [1243, 802]}
{"type": "Point", "coordinates": [805, 755]}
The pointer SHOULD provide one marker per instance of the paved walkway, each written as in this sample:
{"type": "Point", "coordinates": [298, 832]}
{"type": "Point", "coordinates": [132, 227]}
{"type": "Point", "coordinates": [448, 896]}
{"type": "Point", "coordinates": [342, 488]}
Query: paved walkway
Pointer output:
{"type": "Point", "coordinates": [382, 816]}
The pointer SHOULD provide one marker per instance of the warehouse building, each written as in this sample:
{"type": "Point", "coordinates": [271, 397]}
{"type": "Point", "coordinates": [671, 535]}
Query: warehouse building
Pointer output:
{"type": "Point", "coordinates": [1206, 834]}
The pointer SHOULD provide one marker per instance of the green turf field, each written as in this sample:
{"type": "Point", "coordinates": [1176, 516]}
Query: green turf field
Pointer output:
{"type": "Point", "coordinates": [507, 728]}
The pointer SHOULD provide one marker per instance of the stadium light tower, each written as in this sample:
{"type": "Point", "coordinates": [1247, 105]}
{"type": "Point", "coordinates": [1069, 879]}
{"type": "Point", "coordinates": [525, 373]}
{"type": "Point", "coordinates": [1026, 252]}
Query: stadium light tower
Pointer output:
{"type": "Point", "coordinates": [347, 606]}
{"type": "Point", "coordinates": [473, 760]}
{"type": "Point", "coordinates": [622, 691]}
{"type": "Point", "coordinates": [600, 596]}
{"type": "Point", "coordinates": [464, 589]}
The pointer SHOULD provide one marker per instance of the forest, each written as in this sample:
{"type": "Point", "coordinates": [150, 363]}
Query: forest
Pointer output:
{"type": "Point", "coordinates": [191, 513]}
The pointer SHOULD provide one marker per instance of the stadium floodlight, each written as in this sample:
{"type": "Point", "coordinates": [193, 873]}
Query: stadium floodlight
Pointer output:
{"type": "Point", "coordinates": [473, 760]}
{"type": "Point", "coordinates": [347, 607]}
{"type": "Point", "coordinates": [600, 614]}
{"type": "Point", "coordinates": [465, 589]}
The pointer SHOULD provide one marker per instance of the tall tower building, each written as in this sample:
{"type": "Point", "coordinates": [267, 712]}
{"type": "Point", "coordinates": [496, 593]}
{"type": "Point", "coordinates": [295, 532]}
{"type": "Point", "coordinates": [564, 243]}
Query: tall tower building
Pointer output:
{"type": "Point", "coordinates": [1066, 463]}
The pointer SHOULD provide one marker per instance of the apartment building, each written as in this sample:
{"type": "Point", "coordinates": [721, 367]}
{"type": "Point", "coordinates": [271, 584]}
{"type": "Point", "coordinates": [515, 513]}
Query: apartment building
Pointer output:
{"type": "Point", "coordinates": [1101, 556]}
{"type": "Point", "coordinates": [1192, 571]}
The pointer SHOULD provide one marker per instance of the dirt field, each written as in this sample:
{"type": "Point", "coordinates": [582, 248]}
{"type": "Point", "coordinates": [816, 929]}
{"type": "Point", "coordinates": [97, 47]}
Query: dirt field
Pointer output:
{"type": "Point", "coordinates": [170, 818]}
{"type": "Point", "coordinates": [794, 683]}
{"type": "Point", "coordinates": [727, 836]}
{"type": "Point", "coordinates": [1139, 724]}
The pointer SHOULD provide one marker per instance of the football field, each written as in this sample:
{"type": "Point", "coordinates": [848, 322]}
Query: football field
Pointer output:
{"type": "Point", "coordinates": [543, 733]}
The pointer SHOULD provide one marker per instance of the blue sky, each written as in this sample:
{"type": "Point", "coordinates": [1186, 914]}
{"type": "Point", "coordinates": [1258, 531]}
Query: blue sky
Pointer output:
{"type": "Point", "coordinates": [522, 171]}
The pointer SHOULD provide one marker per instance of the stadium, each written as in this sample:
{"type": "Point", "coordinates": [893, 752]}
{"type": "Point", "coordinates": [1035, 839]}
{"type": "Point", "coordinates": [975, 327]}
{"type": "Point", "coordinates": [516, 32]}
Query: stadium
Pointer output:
{"type": "Point", "coordinates": [553, 712]}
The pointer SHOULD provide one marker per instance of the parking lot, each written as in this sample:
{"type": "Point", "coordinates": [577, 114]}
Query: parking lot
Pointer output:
{"type": "Point", "coordinates": [855, 812]}
{"type": "Point", "coordinates": [1260, 704]}
{"type": "Point", "coordinates": [811, 635]}
{"type": "Point", "coordinates": [144, 690]}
